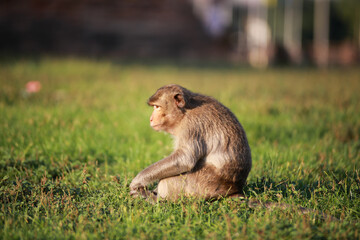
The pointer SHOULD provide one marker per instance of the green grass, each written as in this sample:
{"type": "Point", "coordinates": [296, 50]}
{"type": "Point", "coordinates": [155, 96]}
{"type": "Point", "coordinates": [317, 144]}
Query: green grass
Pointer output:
{"type": "Point", "coordinates": [69, 152]}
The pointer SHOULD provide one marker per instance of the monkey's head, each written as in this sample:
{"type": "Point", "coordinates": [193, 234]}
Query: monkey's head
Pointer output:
{"type": "Point", "coordinates": [169, 103]}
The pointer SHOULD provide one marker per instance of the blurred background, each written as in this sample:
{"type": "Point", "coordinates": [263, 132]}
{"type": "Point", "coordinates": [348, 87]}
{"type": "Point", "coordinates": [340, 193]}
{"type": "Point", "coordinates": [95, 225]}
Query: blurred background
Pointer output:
{"type": "Point", "coordinates": [260, 33]}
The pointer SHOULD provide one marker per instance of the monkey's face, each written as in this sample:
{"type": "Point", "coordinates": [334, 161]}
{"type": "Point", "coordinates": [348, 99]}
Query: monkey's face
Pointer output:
{"type": "Point", "coordinates": [163, 119]}
{"type": "Point", "coordinates": [168, 103]}
{"type": "Point", "coordinates": [157, 118]}
{"type": "Point", "coordinates": [166, 116]}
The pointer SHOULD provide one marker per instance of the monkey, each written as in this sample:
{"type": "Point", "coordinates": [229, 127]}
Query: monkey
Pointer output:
{"type": "Point", "coordinates": [211, 157]}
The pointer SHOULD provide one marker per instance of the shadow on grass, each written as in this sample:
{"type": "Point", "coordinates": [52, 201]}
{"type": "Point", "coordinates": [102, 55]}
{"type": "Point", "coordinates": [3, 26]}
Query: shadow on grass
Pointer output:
{"type": "Point", "coordinates": [336, 182]}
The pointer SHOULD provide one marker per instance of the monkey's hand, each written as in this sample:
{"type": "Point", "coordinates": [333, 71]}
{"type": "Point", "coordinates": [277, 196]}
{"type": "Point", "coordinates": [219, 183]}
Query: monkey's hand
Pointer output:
{"type": "Point", "coordinates": [136, 183]}
{"type": "Point", "coordinates": [142, 192]}
{"type": "Point", "coordinates": [137, 192]}
{"type": "Point", "coordinates": [137, 188]}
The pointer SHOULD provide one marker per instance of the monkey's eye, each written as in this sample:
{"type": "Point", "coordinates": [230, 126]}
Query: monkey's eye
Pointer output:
{"type": "Point", "coordinates": [156, 107]}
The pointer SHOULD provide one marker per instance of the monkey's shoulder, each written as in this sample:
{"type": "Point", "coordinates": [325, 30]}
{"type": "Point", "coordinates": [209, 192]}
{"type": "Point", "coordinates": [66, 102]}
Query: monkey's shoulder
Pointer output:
{"type": "Point", "coordinates": [215, 110]}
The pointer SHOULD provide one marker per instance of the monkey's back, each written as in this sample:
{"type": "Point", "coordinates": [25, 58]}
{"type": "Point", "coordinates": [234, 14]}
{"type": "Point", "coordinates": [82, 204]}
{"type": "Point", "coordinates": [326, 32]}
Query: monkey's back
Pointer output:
{"type": "Point", "coordinates": [223, 139]}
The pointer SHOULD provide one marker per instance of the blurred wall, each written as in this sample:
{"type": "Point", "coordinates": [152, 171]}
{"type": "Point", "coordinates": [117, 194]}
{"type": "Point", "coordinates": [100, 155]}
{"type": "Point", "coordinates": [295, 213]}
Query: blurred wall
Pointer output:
{"type": "Point", "coordinates": [125, 28]}
{"type": "Point", "coordinates": [257, 32]}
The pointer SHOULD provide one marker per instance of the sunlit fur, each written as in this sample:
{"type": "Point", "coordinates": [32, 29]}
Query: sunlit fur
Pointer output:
{"type": "Point", "coordinates": [212, 156]}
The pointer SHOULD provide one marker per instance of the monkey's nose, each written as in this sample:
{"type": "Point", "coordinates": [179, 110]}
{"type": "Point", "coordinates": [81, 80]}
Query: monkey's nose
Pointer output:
{"type": "Point", "coordinates": [151, 118]}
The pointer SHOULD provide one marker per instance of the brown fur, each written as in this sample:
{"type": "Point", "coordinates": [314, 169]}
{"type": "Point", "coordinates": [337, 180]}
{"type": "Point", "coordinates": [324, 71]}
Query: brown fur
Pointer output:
{"type": "Point", "coordinates": [211, 157]}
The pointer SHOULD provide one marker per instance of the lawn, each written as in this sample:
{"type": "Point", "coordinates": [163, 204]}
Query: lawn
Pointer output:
{"type": "Point", "coordinates": [69, 152]}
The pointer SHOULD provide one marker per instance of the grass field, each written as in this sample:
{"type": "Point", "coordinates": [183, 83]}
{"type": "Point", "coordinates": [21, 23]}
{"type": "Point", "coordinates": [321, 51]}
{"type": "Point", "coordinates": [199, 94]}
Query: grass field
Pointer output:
{"type": "Point", "coordinates": [69, 152]}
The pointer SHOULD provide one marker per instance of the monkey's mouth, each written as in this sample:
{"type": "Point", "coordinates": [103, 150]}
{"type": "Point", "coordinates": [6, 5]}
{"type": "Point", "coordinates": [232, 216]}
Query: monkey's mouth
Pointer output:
{"type": "Point", "coordinates": [155, 126]}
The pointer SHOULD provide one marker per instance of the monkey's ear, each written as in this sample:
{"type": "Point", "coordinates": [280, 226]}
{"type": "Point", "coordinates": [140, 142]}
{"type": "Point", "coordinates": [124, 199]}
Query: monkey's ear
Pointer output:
{"type": "Point", "coordinates": [179, 100]}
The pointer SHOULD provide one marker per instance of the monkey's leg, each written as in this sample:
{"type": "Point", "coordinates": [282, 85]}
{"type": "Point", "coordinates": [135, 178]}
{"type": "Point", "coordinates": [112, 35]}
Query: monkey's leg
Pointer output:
{"type": "Point", "coordinates": [203, 183]}
{"type": "Point", "coordinates": [172, 188]}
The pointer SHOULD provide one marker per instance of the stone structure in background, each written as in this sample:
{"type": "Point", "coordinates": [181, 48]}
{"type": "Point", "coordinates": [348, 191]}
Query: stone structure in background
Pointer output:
{"type": "Point", "coordinates": [126, 28]}
{"type": "Point", "coordinates": [259, 32]}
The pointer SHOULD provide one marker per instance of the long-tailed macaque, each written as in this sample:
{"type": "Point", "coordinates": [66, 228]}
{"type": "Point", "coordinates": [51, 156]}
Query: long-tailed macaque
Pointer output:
{"type": "Point", "coordinates": [212, 156]}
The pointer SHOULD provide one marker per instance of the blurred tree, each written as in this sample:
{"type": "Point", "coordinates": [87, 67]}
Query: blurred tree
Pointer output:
{"type": "Point", "coordinates": [349, 12]}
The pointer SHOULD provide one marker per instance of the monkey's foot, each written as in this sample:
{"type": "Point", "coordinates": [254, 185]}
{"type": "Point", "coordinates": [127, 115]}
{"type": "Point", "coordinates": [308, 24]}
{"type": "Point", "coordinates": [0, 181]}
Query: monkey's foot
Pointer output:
{"type": "Point", "coordinates": [237, 195]}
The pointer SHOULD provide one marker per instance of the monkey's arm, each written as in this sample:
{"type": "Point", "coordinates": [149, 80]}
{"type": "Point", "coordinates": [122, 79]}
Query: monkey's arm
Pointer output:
{"type": "Point", "coordinates": [178, 162]}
